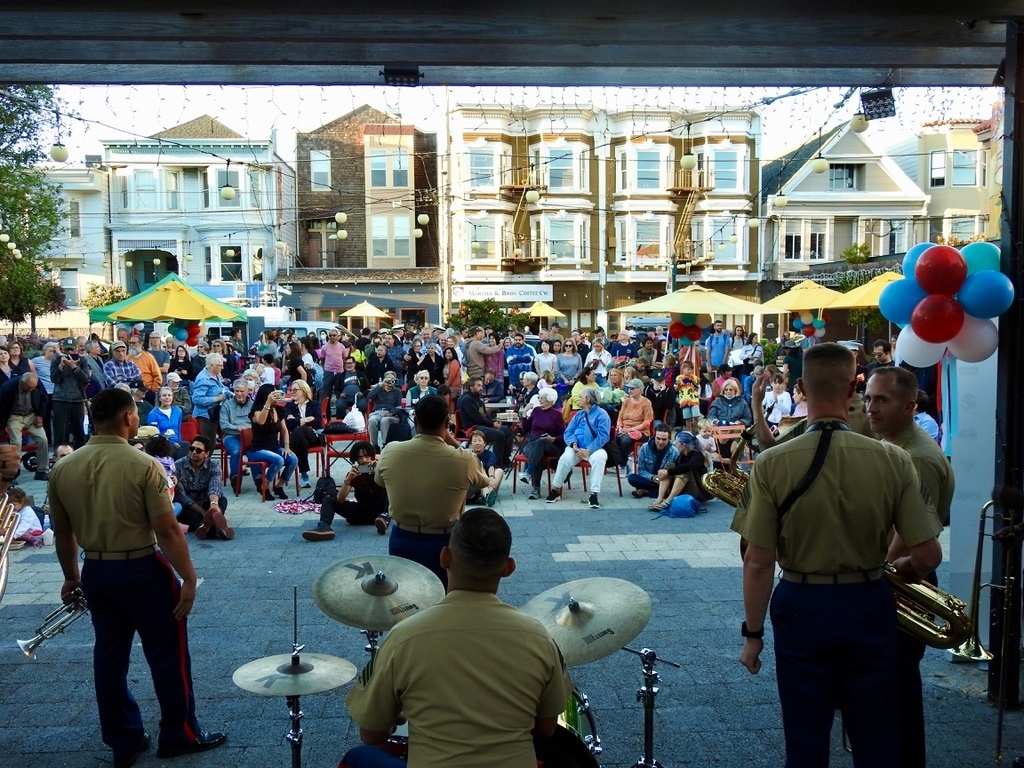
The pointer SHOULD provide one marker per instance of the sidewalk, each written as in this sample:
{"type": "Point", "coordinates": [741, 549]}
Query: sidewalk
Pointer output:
{"type": "Point", "coordinates": [710, 712]}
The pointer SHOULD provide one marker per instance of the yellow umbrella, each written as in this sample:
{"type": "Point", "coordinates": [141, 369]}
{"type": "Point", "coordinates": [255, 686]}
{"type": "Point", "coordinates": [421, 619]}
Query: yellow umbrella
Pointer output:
{"type": "Point", "coordinates": [170, 299]}
{"type": "Point", "coordinates": [540, 309]}
{"type": "Point", "coordinates": [865, 296]}
{"type": "Point", "coordinates": [803, 296]}
{"type": "Point", "coordinates": [365, 309]}
{"type": "Point", "coordinates": [694, 300]}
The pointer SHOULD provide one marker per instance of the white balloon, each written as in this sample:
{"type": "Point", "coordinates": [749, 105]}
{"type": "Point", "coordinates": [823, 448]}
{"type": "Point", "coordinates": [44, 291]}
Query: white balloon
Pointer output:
{"type": "Point", "coordinates": [912, 349]}
{"type": "Point", "coordinates": [819, 332]}
{"type": "Point", "coordinates": [806, 318]}
{"type": "Point", "coordinates": [977, 340]}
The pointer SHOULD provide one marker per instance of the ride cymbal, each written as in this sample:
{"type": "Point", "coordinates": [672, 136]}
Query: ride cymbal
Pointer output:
{"type": "Point", "coordinates": [375, 592]}
{"type": "Point", "coordinates": [277, 676]}
{"type": "Point", "coordinates": [591, 618]}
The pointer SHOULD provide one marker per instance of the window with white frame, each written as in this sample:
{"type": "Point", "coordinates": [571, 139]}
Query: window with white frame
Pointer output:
{"type": "Point", "coordinates": [965, 168]}
{"type": "Point", "coordinates": [962, 227]}
{"type": "Point", "coordinates": [725, 167]}
{"type": "Point", "coordinates": [144, 197]}
{"type": "Point", "coordinates": [482, 244]}
{"type": "Point", "coordinates": [563, 166]}
{"type": "Point", "coordinates": [644, 168]}
{"type": "Point", "coordinates": [842, 176]}
{"type": "Point", "coordinates": [937, 169]}
{"type": "Point", "coordinates": [172, 190]}
{"type": "Point", "coordinates": [817, 246]}
{"type": "Point", "coordinates": [69, 282]}
{"type": "Point", "coordinates": [74, 219]}
{"type": "Point", "coordinates": [230, 263]}
{"type": "Point", "coordinates": [791, 246]}
{"type": "Point", "coordinates": [319, 170]}
{"type": "Point", "coordinates": [563, 239]}
{"type": "Point", "coordinates": [898, 236]}
{"type": "Point", "coordinates": [642, 241]}
{"type": "Point", "coordinates": [399, 168]}
{"type": "Point", "coordinates": [699, 242]}
{"type": "Point", "coordinates": [391, 236]}
{"type": "Point", "coordinates": [389, 168]}
{"type": "Point", "coordinates": [481, 169]}
{"type": "Point", "coordinates": [228, 178]}
{"type": "Point", "coordinates": [255, 176]}
{"type": "Point", "coordinates": [378, 168]}
{"type": "Point", "coordinates": [722, 228]}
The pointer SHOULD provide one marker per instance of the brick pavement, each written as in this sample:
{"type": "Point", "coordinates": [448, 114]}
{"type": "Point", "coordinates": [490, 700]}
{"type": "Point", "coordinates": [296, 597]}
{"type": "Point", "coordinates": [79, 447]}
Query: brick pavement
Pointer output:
{"type": "Point", "coordinates": [710, 712]}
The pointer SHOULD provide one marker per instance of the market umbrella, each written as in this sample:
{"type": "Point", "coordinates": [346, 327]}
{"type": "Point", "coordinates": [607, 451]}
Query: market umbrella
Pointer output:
{"type": "Point", "coordinates": [807, 295]}
{"type": "Point", "coordinates": [170, 299]}
{"type": "Point", "coordinates": [365, 309]}
{"type": "Point", "coordinates": [865, 296]}
{"type": "Point", "coordinates": [540, 309]}
{"type": "Point", "coordinates": [695, 300]}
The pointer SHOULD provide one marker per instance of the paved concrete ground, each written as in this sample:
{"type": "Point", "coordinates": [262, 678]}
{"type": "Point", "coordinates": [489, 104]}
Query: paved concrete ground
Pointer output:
{"type": "Point", "coordinates": [710, 712]}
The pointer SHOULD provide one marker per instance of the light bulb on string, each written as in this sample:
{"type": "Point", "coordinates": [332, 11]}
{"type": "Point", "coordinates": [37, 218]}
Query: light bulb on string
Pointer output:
{"type": "Point", "coordinates": [753, 223]}
{"type": "Point", "coordinates": [417, 233]}
{"type": "Point", "coordinates": [129, 264]}
{"type": "Point", "coordinates": [4, 237]}
{"type": "Point", "coordinates": [341, 217]}
{"type": "Point", "coordinates": [156, 262]}
{"type": "Point", "coordinates": [532, 196]}
{"type": "Point", "coordinates": [423, 219]}
{"type": "Point", "coordinates": [59, 152]}
{"type": "Point", "coordinates": [342, 234]}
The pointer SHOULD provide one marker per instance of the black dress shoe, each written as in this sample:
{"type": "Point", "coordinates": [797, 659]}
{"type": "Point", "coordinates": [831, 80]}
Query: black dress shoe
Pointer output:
{"type": "Point", "coordinates": [206, 740]}
{"type": "Point", "coordinates": [128, 762]}
{"type": "Point", "coordinates": [279, 492]}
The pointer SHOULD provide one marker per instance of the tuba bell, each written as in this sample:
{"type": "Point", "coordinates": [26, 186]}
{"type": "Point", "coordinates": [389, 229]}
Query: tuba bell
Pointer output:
{"type": "Point", "coordinates": [56, 622]}
{"type": "Point", "coordinates": [936, 618]}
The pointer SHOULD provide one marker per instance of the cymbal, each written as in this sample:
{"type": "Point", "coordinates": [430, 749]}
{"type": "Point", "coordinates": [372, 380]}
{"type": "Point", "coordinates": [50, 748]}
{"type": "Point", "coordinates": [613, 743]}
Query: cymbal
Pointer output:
{"type": "Point", "coordinates": [591, 618]}
{"type": "Point", "coordinates": [277, 676]}
{"type": "Point", "coordinates": [376, 591]}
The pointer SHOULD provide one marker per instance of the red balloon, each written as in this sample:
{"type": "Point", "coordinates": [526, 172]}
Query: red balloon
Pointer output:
{"type": "Point", "coordinates": [937, 319]}
{"type": "Point", "coordinates": [676, 329]}
{"type": "Point", "coordinates": [693, 333]}
{"type": "Point", "coordinates": [808, 330]}
{"type": "Point", "coordinates": [941, 270]}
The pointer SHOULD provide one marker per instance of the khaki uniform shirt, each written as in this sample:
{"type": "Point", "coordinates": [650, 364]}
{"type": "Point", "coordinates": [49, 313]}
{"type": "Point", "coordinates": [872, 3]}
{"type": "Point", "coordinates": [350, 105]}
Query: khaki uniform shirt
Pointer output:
{"type": "Point", "coordinates": [932, 467]}
{"type": "Point", "coordinates": [471, 673]}
{"type": "Point", "coordinates": [842, 523]}
{"type": "Point", "coordinates": [426, 480]}
{"type": "Point", "coordinates": [111, 492]}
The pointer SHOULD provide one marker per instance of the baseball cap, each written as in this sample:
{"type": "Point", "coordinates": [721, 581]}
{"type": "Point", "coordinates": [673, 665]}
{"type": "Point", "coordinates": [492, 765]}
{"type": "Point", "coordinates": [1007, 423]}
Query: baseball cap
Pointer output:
{"type": "Point", "coordinates": [852, 345]}
{"type": "Point", "coordinates": [120, 344]}
{"type": "Point", "coordinates": [172, 376]}
{"type": "Point", "coordinates": [69, 343]}
{"type": "Point", "coordinates": [635, 384]}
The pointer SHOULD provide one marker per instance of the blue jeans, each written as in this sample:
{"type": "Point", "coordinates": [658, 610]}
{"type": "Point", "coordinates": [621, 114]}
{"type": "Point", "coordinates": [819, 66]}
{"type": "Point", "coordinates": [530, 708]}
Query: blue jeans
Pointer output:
{"type": "Point", "coordinates": [233, 445]}
{"type": "Point", "coordinates": [276, 461]}
{"type": "Point", "coordinates": [365, 756]}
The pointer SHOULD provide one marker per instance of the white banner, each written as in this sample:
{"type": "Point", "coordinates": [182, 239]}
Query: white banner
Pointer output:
{"type": "Point", "coordinates": [504, 294]}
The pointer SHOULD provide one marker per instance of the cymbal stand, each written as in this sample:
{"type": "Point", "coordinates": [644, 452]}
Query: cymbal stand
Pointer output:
{"type": "Point", "coordinates": [646, 694]}
{"type": "Point", "coordinates": [372, 641]}
{"type": "Point", "coordinates": [294, 734]}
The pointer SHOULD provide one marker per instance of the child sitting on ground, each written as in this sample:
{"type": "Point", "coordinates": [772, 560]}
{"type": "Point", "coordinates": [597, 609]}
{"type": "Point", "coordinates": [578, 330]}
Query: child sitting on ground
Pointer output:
{"type": "Point", "coordinates": [28, 530]}
{"type": "Point", "coordinates": [487, 494]}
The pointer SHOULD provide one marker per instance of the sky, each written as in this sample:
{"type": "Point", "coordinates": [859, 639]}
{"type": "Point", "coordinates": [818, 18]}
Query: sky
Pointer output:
{"type": "Point", "coordinates": [790, 118]}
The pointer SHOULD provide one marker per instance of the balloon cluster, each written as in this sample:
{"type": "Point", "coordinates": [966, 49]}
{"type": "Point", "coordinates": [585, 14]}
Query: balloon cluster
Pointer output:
{"type": "Point", "coordinates": [185, 330]}
{"type": "Point", "coordinates": [688, 329]}
{"type": "Point", "coordinates": [809, 325]}
{"type": "Point", "coordinates": [946, 300]}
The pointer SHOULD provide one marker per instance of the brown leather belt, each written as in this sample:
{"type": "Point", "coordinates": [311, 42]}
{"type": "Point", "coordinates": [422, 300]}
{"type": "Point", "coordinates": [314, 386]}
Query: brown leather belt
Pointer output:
{"type": "Point", "coordinates": [132, 554]}
{"type": "Point", "coordinates": [422, 529]}
{"type": "Point", "coordinates": [850, 577]}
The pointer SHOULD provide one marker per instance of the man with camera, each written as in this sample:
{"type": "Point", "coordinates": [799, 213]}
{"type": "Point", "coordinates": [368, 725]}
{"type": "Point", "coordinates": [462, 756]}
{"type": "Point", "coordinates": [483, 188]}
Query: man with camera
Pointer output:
{"type": "Point", "coordinates": [371, 500]}
{"type": "Point", "coordinates": [70, 378]}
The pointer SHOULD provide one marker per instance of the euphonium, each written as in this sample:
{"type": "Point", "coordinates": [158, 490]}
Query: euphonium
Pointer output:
{"type": "Point", "coordinates": [8, 524]}
{"type": "Point", "coordinates": [934, 617]}
{"type": "Point", "coordinates": [56, 622]}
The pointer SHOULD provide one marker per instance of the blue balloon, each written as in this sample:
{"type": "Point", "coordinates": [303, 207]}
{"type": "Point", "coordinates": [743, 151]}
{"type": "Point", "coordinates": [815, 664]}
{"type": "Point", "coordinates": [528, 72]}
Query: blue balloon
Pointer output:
{"type": "Point", "coordinates": [910, 260]}
{"type": "Point", "coordinates": [899, 298]}
{"type": "Point", "coordinates": [981, 256]}
{"type": "Point", "coordinates": [181, 334]}
{"type": "Point", "coordinates": [798, 324]}
{"type": "Point", "coordinates": [818, 323]}
{"type": "Point", "coordinates": [986, 294]}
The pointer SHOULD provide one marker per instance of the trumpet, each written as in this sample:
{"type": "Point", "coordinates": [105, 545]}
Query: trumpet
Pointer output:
{"type": "Point", "coordinates": [56, 622]}
{"type": "Point", "coordinates": [9, 520]}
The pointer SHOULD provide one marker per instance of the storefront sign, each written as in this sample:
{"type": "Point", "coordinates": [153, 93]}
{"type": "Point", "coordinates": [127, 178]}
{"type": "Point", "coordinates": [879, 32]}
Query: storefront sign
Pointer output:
{"type": "Point", "coordinates": [504, 294]}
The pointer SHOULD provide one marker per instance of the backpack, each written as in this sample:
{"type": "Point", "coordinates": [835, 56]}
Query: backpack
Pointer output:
{"type": "Point", "coordinates": [325, 488]}
{"type": "Point", "coordinates": [399, 432]}
{"type": "Point", "coordinates": [683, 505]}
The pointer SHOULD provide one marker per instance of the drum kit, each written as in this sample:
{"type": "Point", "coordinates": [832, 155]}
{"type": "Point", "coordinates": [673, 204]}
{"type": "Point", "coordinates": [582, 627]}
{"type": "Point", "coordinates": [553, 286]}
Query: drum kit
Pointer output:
{"type": "Point", "coordinates": [588, 619]}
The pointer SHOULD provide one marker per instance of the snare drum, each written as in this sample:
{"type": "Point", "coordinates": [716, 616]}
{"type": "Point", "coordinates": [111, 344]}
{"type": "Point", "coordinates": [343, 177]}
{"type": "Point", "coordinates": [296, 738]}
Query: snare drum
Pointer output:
{"type": "Point", "coordinates": [579, 720]}
{"type": "Point", "coordinates": [575, 740]}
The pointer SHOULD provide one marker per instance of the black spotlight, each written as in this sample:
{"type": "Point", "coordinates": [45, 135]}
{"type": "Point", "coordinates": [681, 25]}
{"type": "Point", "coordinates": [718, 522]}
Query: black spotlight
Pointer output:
{"type": "Point", "coordinates": [398, 76]}
{"type": "Point", "coordinates": [878, 103]}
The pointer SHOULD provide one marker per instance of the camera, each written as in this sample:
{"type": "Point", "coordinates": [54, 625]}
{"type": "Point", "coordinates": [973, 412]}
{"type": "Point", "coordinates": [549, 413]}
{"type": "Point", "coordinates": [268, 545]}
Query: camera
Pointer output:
{"type": "Point", "coordinates": [364, 469]}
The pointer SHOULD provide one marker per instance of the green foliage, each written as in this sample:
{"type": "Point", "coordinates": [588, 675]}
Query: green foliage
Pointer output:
{"type": "Point", "coordinates": [873, 319]}
{"type": "Point", "coordinates": [102, 295]}
{"type": "Point", "coordinates": [857, 254]}
{"type": "Point", "coordinates": [770, 350]}
{"type": "Point", "coordinates": [31, 209]}
{"type": "Point", "coordinates": [483, 312]}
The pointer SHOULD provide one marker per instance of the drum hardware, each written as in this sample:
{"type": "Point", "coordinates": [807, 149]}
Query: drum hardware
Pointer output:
{"type": "Point", "coordinates": [375, 592]}
{"type": "Point", "coordinates": [1011, 551]}
{"type": "Point", "coordinates": [591, 618]}
{"type": "Point", "coordinates": [56, 622]}
{"type": "Point", "coordinates": [292, 675]}
{"type": "Point", "coordinates": [372, 641]}
{"type": "Point", "coordinates": [646, 693]}
{"type": "Point", "coordinates": [578, 718]}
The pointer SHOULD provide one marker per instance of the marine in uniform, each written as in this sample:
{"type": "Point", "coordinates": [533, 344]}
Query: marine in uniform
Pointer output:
{"type": "Point", "coordinates": [426, 479]}
{"type": "Point", "coordinates": [113, 501]}
{"type": "Point", "coordinates": [513, 680]}
{"type": "Point", "coordinates": [891, 404]}
{"type": "Point", "coordinates": [833, 615]}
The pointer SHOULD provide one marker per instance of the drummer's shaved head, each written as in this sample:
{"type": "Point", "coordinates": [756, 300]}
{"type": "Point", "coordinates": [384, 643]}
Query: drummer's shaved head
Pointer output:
{"type": "Point", "coordinates": [480, 545]}
{"type": "Point", "coordinates": [828, 371]}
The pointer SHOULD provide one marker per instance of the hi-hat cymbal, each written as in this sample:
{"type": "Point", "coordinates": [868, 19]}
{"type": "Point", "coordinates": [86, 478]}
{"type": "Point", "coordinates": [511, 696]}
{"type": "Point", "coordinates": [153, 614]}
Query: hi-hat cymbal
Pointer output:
{"type": "Point", "coordinates": [591, 618]}
{"type": "Point", "coordinates": [375, 592]}
{"type": "Point", "coordinates": [277, 676]}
